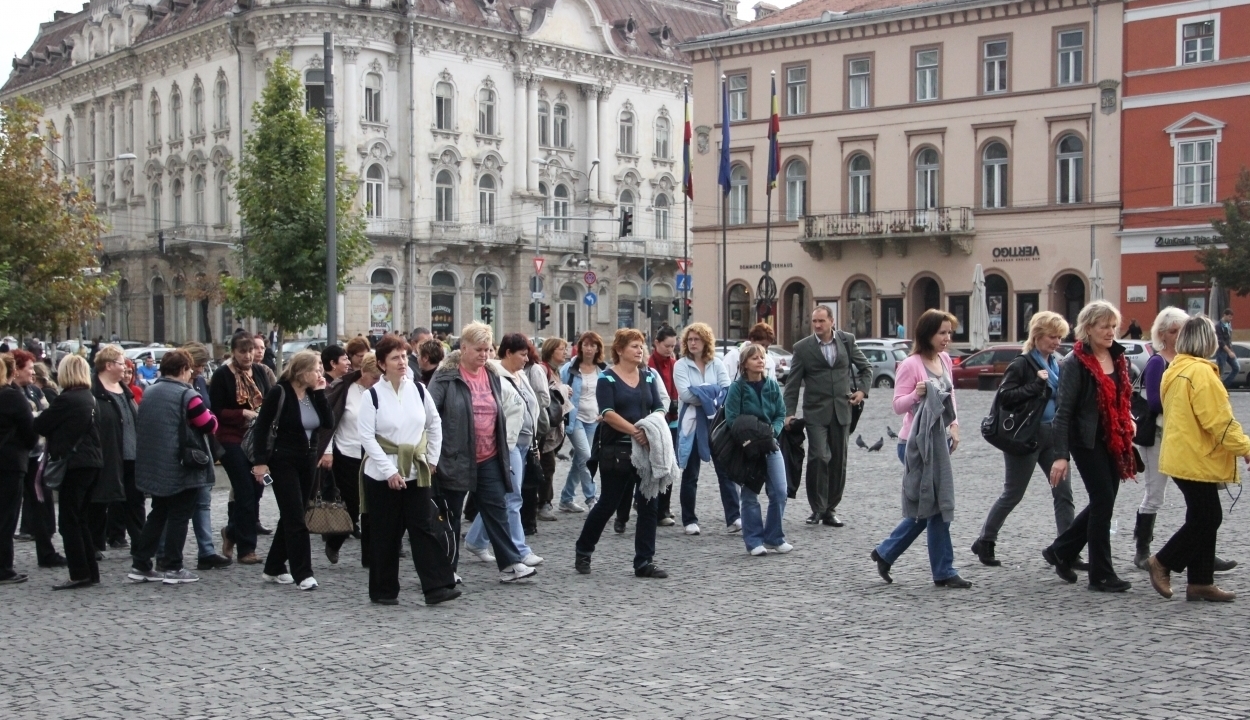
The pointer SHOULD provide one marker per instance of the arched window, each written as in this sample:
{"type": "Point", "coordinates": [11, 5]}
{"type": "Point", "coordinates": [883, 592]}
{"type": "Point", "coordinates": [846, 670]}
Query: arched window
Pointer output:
{"type": "Point", "coordinates": [994, 176]}
{"type": "Point", "coordinates": [740, 315]}
{"type": "Point", "coordinates": [927, 179]}
{"type": "Point", "coordinates": [546, 193]}
{"type": "Point", "coordinates": [486, 200]}
{"type": "Point", "coordinates": [738, 187]}
{"type": "Point", "coordinates": [996, 303]}
{"type": "Point", "coordinates": [661, 217]}
{"type": "Point", "coordinates": [175, 114]}
{"type": "Point", "coordinates": [197, 108]}
{"type": "Point", "coordinates": [663, 134]}
{"type": "Point", "coordinates": [155, 192]}
{"type": "Point", "coordinates": [382, 276]}
{"type": "Point", "coordinates": [314, 90]}
{"type": "Point", "coordinates": [626, 143]}
{"type": "Point", "coordinates": [444, 102]}
{"type": "Point", "coordinates": [154, 119]}
{"type": "Point", "coordinates": [544, 124]}
{"type": "Point", "coordinates": [223, 198]}
{"type": "Point", "coordinates": [375, 184]}
{"type": "Point", "coordinates": [1069, 170]}
{"type": "Point", "coordinates": [560, 207]}
{"type": "Point", "coordinates": [626, 202]}
{"type": "Point", "coordinates": [177, 193]}
{"type": "Point", "coordinates": [221, 96]}
{"type": "Point", "coordinates": [198, 187]}
{"type": "Point", "coordinates": [373, 98]}
{"type": "Point", "coordinates": [859, 305]}
{"type": "Point", "coordinates": [444, 198]}
{"type": "Point", "coordinates": [560, 126]}
{"type": "Point", "coordinates": [443, 302]}
{"type": "Point", "coordinates": [796, 190]}
{"type": "Point", "coordinates": [158, 310]}
{"type": "Point", "coordinates": [486, 111]}
{"type": "Point", "coordinates": [860, 185]}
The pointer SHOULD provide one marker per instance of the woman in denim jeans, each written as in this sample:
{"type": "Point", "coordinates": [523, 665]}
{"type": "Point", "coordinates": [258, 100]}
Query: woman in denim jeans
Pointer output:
{"type": "Point", "coordinates": [582, 373]}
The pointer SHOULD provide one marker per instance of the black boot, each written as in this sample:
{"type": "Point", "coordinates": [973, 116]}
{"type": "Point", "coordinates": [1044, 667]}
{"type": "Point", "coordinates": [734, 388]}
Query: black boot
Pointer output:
{"type": "Point", "coordinates": [984, 550]}
{"type": "Point", "coordinates": [1144, 533]}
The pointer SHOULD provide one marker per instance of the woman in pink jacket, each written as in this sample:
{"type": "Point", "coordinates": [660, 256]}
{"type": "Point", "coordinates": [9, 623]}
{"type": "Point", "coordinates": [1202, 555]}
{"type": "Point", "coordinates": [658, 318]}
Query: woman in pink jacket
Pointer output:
{"type": "Point", "coordinates": [928, 369]}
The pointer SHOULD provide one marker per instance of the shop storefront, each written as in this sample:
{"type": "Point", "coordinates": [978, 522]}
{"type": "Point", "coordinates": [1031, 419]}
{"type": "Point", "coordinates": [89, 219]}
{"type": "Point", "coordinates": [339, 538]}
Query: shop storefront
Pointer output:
{"type": "Point", "coordinates": [1161, 269]}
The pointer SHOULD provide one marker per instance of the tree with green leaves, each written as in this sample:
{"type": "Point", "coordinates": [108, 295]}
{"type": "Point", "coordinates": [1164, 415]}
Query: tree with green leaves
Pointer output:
{"type": "Point", "coordinates": [49, 232]}
{"type": "Point", "coordinates": [1231, 267]}
{"type": "Point", "coordinates": [280, 183]}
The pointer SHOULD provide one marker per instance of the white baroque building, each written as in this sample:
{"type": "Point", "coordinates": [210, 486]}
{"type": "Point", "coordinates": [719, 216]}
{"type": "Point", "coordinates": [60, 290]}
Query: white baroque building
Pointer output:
{"type": "Point", "coordinates": [474, 127]}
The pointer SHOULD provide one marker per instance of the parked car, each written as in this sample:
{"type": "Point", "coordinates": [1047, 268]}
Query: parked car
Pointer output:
{"type": "Point", "coordinates": [991, 362]}
{"type": "Point", "coordinates": [884, 361]}
{"type": "Point", "coordinates": [901, 344]}
{"type": "Point", "coordinates": [782, 357]}
{"type": "Point", "coordinates": [139, 354]}
{"type": "Point", "coordinates": [957, 354]}
{"type": "Point", "coordinates": [293, 346]}
{"type": "Point", "coordinates": [1243, 362]}
{"type": "Point", "coordinates": [1137, 352]}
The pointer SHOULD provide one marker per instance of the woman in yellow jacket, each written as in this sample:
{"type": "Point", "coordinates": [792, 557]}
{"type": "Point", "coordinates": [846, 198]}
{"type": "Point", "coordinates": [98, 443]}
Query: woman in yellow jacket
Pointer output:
{"type": "Point", "coordinates": [1201, 443]}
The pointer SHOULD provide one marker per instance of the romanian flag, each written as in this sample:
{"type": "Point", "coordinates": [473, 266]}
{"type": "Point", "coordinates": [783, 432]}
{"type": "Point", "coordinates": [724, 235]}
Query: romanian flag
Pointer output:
{"type": "Point", "coordinates": [774, 127]}
{"type": "Point", "coordinates": [687, 180]}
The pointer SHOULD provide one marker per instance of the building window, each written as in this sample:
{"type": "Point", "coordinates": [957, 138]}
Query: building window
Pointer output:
{"type": "Point", "coordinates": [177, 193]}
{"type": "Point", "coordinates": [560, 127]}
{"type": "Point", "coordinates": [1069, 170]}
{"type": "Point", "coordinates": [859, 83]}
{"type": "Point", "coordinates": [796, 90]}
{"type": "Point", "coordinates": [375, 184]}
{"type": "Point", "coordinates": [994, 176]}
{"type": "Point", "coordinates": [927, 169]}
{"type": "Point", "coordinates": [859, 306]}
{"type": "Point", "coordinates": [560, 207]}
{"type": "Point", "coordinates": [444, 198]}
{"type": "Point", "coordinates": [154, 119]}
{"type": "Point", "coordinates": [130, 126]}
{"type": "Point", "coordinates": [70, 149]}
{"type": "Point", "coordinates": [221, 95]}
{"type": "Point", "coordinates": [175, 114]}
{"type": "Point", "coordinates": [663, 136]}
{"type": "Point", "coordinates": [198, 187]}
{"type": "Point", "coordinates": [155, 192]}
{"type": "Point", "coordinates": [626, 143]}
{"type": "Point", "coordinates": [110, 144]}
{"type": "Point", "coordinates": [486, 200]}
{"type": "Point", "coordinates": [994, 66]}
{"type": "Point", "coordinates": [443, 103]}
{"type": "Point", "coordinates": [546, 193]}
{"type": "Point", "coordinates": [373, 98]}
{"type": "Point", "coordinates": [544, 128]}
{"type": "Point", "coordinates": [737, 97]}
{"type": "Point", "coordinates": [486, 111]}
{"type": "Point", "coordinates": [223, 198]}
{"type": "Point", "coordinates": [926, 75]}
{"type": "Point", "coordinates": [197, 108]}
{"type": "Point", "coordinates": [1071, 57]}
{"type": "Point", "coordinates": [860, 175]}
{"type": "Point", "coordinates": [796, 190]}
{"type": "Point", "coordinates": [661, 217]}
{"type": "Point", "coordinates": [738, 188]}
{"type": "Point", "coordinates": [1198, 42]}
{"type": "Point", "coordinates": [315, 91]}
{"type": "Point", "coordinates": [625, 204]}
{"type": "Point", "coordinates": [1195, 172]}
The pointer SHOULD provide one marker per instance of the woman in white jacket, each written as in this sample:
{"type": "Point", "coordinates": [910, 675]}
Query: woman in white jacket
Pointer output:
{"type": "Point", "coordinates": [400, 415]}
{"type": "Point", "coordinates": [520, 409]}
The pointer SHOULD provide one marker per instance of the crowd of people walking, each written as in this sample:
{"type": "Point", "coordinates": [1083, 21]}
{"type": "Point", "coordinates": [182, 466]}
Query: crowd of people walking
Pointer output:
{"type": "Point", "coordinates": [456, 448]}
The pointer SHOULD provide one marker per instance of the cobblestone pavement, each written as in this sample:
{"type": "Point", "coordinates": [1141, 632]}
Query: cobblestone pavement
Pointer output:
{"type": "Point", "coordinates": [810, 634]}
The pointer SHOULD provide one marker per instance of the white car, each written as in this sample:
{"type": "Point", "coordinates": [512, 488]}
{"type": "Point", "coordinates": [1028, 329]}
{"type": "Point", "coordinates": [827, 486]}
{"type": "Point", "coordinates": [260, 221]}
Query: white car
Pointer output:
{"type": "Point", "coordinates": [1242, 349]}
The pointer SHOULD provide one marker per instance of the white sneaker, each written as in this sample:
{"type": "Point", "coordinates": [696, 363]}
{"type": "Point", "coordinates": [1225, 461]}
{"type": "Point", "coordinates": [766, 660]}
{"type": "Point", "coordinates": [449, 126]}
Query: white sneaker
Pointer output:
{"type": "Point", "coordinates": [283, 579]}
{"type": "Point", "coordinates": [590, 504]}
{"type": "Point", "coordinates": [758, 550]}
{"type": "Point", "coordinates": [736, 527]}
{"type": "Point", "coordinates": [516, 572]}
{"type": "Point", "coordinates": [308, 583]}
{"type": "Point", "coordinates": [783, 548]}
{"type": "Point", "coordinates": [459, 580]}
{"type": "Point", "coordinates": [532, 560]}
{"type": "Point", "coordinates": [692, 529]}
{"type": "Point", "coordinates": [666, 522]}
{"type": "Point", "coordinates": [572, 507]}
{"type": "Point", "coordinates": [482, 554]}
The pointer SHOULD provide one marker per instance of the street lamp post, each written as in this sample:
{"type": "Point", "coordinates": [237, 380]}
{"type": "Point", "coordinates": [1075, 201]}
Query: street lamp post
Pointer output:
{"type": "Point", "coordinates": [594, 165]}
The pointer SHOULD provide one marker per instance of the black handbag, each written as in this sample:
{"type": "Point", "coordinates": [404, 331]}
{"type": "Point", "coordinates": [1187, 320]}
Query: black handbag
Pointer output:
{"type": "Point", "coordinates": [192, 453]}
{"type": "Point", "coordinates": [52, 470]}
{"type": "Point", "coordinates": [1147, 421]}
{"type": "Point", "coordinates": [856, 410]}
{"type": "Point", "coordinates": [1013, 430]}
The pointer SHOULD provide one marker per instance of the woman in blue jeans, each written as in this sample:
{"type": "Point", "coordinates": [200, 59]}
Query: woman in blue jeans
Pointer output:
{"type": "Point", "coordinates": [582, 375]}
{"type": "Point", "coordinates": [701, 383]}
{"type": "Point", "coordinates": [754, 393]}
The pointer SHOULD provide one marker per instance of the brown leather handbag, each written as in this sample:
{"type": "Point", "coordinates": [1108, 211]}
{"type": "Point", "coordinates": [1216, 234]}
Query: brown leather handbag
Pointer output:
{"type": "Point", "coordinates": [327, 517]}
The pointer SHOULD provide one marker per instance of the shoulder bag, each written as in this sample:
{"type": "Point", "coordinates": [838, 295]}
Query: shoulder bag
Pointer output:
{"type": "Point", "coordinates": [191, 454]}
{"type": "Point", "coordinates": [249, 436]}
{"type": "Point", "coordinates": [52, 470]}
{"type": "Point", "coordinates": [327, 517]}
{"type": "Point", "coordinates": [1147, 421]}
{"type": "Point", "coordinates": [1013, 430]}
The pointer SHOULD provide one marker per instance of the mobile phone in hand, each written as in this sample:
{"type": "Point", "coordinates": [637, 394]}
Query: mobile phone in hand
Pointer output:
{"type": "Point", "coordinates": [267, 480]}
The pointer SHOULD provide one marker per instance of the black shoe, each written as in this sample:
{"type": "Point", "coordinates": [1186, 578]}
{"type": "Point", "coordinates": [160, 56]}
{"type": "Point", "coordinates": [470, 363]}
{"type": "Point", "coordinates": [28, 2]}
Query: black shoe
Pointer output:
{"type": "Point", "coordinates": [813, 519]}
{"type": "Point", "coordinates": [531, 530]}
{"type": "Point", "coordinates": [1223, 566]}
{"type": "Point", "coordinates": [356, 533]}
{"type": "Point", "coordinates": [99, 555]}
{"type": "Point", "coordinates": [384, 601]}
{"type": "Point", "coordinates": [1111, 584]}
{"type": "Point", "coordinates": [1062, 569]}
{"type": "Point", "coordinates": [56, 561]}
{"type": "Point", "coordinates": [582, 564]}
{"type": "Point", "coordinates": [984, 550]}
{"type": "Point", "coordinates": [213, 562]}
{"type": "Point", "coordinates": [441, 595]}
{"type": "Point", "coordinates": [119, 544]}
{"type": "Point", "coordinates": [1079, 564]}
{"type": "Point", "coordinates": [262, 530]}
{"type": "Point", "coordinates": [618, 526]}
{"type": "Point", "coordinates": [332, 555]}
{"type": "Point", "coordinates": [831, 520]}
{"type": "Point", "coordinates": [650, 570]}
{"type": "Point", "coordinates": [883, 567]}
{"type": "Point", "coordinates": [14, 579]}
{"type": "Point", "coordinates": [23, 537]}
{"type": "Point", "coordinates": [73, 584]}
{"type": "Point", "coordinates": [953, 582]}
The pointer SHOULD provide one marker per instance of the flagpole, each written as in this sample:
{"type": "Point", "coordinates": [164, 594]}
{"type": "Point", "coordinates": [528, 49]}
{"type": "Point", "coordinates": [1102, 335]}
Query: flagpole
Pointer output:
{"type": "Point", "coordinates": [686, 190]}
{"type": "Point", "coordinates": [726, 184]}
{"type": "Point", "coordinates": [764, 293]}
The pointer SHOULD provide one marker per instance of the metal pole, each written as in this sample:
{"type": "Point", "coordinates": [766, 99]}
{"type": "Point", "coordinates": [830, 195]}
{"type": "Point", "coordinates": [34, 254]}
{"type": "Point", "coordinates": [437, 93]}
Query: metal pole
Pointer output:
{"type": "Point", "coordinates": [332, 273]}
{"type": "Point", "coordinates": [724, 265]}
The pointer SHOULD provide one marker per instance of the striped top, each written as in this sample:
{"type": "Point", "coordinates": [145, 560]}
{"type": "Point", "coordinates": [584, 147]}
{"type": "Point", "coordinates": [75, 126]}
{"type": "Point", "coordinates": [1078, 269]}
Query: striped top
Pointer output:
{"type": "Point", "coordinates": [199, 417]}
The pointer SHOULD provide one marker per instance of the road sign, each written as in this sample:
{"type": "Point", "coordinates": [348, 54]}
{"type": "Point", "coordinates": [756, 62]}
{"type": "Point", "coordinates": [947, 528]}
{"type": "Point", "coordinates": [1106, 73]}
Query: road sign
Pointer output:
{"type": "Point", "coordinates": [590, 277]}
{"type": "Point", "coordinates": [536, 283]}
{"type": "Point", "coordinates": [539, 261]}
{"type": "Point", "coordinates": [684, 283]}
{"type": "Point", "coordinates": [682, 265]}
{"type": "Point", "coordinates": [538, 296]}
{"type": "Point", "coordinates": [590, 299]}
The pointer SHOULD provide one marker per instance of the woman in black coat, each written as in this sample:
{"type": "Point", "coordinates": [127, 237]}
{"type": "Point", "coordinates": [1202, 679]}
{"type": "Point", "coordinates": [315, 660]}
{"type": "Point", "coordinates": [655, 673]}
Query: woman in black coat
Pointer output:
{"type": "Point", "coordinates": [17, 437]}
{"type": "Point", "coordinates": [115, 419]}
{"type": "Point", "coordinates": [69, 424]}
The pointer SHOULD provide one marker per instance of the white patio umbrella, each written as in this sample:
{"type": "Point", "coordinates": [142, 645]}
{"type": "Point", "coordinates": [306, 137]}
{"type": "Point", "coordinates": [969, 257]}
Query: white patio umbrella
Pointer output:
{"type": "Point", "coordinates": [1213, 303]}
{"type": "Point", "coordinates": [979, 322]}
{"type": "Point", "coordinates": [1095, 281]}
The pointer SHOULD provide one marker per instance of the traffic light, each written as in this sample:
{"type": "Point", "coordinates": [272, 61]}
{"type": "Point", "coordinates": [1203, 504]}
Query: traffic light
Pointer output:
{"type": "Point", "coordinates": [627, 223]}
{"type": "Point", "coordinates": [160, 241]}
{"type": "Point", "coordinates": [676, 306]}
{"type": "Point", "coordinates": [544, 315]}
{"type": "Point", "coordinates": [533, 311]}
{"type": "Point", "coordinates": [645, 306]}
{"type": "Point", "coordinates": [487, 314]}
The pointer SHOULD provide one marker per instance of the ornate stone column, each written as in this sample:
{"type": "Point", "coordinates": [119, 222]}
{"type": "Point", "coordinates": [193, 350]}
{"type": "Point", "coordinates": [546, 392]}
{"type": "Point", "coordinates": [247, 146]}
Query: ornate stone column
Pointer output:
{"type": "Point", "coordinates": [531, 131]}
{"type": "Point", "coordinates": [520, 134]}
{"type": "Point", "coordinates": [350, 92]}
{"type": "Point", "coordinates": [605, 140]}
{"type": "Point", "coordinates": [590, 93]}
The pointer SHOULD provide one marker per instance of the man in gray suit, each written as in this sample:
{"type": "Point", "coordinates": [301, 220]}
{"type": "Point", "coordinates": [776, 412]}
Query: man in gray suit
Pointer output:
{"type": "Point", "coordinates": [822, 364]}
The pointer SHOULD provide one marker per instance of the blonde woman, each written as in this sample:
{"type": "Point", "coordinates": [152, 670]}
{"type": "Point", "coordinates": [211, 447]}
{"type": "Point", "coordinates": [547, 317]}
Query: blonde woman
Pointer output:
{"type": "Point", "coordinates": [341, 449]}
{"type": "Point", "coordinates": [702, 385]}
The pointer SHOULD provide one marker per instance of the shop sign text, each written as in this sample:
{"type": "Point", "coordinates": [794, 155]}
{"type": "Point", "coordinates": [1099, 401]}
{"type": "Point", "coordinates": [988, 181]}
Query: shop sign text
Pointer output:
{"type": "Point", "coordinates": [1019, 252]}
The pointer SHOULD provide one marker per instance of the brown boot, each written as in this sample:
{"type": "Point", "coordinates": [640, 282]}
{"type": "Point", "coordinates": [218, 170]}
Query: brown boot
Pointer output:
{"type": "Point", "coordinates": [1160, 577]}
{"type": "Point", "coordinates": [250, 559]}
{"type": "Point", "coordinates": [1208, 592]}
{"type": "Point", "coordinates": [227, 545]}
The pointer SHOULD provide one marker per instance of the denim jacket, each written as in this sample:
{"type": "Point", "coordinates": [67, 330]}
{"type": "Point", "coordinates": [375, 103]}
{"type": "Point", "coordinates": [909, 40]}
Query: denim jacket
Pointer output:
{"type": "Point", "coordinates": [575, 386]}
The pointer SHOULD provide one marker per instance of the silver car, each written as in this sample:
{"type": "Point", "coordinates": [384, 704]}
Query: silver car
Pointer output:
{"type": "Point", "coordinates": [1242, 349]}
{"type": "Point", "coordinates": [884, 361]}
{"type": "Point", "coordinates": [1137, 352]}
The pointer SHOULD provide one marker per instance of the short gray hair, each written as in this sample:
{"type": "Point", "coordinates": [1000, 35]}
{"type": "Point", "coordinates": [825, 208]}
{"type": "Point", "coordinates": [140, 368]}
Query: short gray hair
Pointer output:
{"type": "Point", "coordinates": [1197, 337]}
{"type": "Point", "coordinates": [1093, 314]}
{"type": "Point", "coordinates": [1168, 318]}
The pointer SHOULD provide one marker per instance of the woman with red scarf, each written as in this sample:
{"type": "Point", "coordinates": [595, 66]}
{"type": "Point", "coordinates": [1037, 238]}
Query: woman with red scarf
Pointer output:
{"type": "Point", "coordinates": [1093, 426]}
